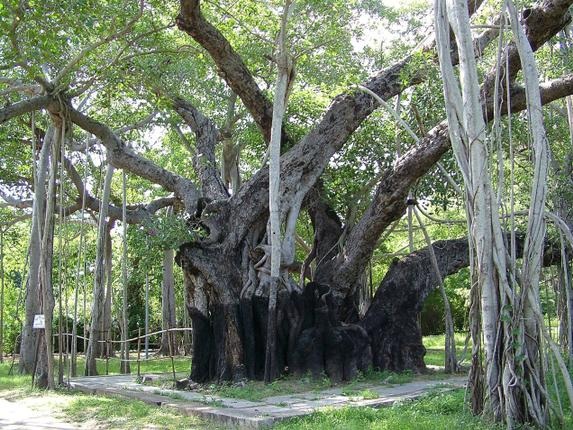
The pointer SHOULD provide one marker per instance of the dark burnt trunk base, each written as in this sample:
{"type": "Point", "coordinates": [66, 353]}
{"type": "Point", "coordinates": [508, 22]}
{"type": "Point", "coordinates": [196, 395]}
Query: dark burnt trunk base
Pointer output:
{"type": "Point", "coordinates": [309, 339]}
{"type": "Point", "coordinates": [313, 330]}
{"type": "Point", "coordinates": [214, 351]}
{"type": "Point", "coordinates": [398, 345]}
{"type": "Point", "coordinates": [326, 346]}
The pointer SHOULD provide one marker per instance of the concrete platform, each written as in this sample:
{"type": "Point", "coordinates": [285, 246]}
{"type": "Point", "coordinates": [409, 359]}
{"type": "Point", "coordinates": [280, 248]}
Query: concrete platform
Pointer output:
{"type": "Point", "coordinates": [246, 414]}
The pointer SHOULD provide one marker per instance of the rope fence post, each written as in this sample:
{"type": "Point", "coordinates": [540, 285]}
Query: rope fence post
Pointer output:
{"type": "Point", "coordinates": [138, 351]}
{"type": "Point", "coordinates": [107, 344]}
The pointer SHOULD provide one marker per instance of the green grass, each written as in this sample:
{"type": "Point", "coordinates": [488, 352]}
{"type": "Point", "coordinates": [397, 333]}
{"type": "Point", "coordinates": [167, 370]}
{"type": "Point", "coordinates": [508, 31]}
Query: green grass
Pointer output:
{"type": "Point", "coordinates": [435, 354]}
{"type": "Point", "coordinates": [108, 412]}
{"type": "Point", "coordinates": [365, 394]}
{"type": "Point", "coordinates": [438, 340]}
{"type": "Point", "coordinates": [155, 365]}
{"type": "Point", "coordinates": [128, 414]}
{"type": "Point", "coordinates": [15, 381]}
{"type": "Point", "coordinates": [558, 394]}
{"type": "Point", "coordinates": [433, 412]}
{"type": "Point", "coordinates": [385, 377]}
{"type": "Point", "coordinates": [258, 390]}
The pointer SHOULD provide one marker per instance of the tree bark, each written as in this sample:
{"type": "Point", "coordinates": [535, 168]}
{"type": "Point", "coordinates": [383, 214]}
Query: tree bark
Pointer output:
{"type": "Point", "coordinates": [99, 280]}
{"type": "Point", "coordinates": [32, 304]}
{"type": "Point", "coordinates": [105, 349]}
{"type": "Point", "coordinates": [45, 368]}
{"type": "Point", "coordinates": [168, 305]}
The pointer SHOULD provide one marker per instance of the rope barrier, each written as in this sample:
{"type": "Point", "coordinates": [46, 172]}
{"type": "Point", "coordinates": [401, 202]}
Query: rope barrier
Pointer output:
{"type": "Point", "coordinates": [132, 339]}
{"type": "Point", "coordinates": [139, 359]}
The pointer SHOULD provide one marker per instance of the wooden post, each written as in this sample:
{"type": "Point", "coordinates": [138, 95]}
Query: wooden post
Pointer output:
{"type": "Point", "coordinates": [138, 351]}
{"type": "Point", "coordinates": [107, 355]}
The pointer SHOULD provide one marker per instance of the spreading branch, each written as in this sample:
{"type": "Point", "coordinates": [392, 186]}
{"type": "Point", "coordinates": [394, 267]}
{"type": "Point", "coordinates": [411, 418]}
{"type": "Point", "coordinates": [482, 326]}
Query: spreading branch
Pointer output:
{"type": "Point", "coordinates": [23, 107]}
{"type": "Point", "coordinates": [204, 159]}
{"type": "Point", "coordinates": [123, 157]}
{"type": "Point", "coordinates": [135, 214]}
{"type": "Point", "coordinates": [389, 202]}
{"type": "Point", "coordinates": [230, 64]}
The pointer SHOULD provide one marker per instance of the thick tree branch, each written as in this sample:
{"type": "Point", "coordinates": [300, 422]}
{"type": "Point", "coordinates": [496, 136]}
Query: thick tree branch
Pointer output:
{"type": "Point", "coordinates": [25, 106]}
{"type": "Point", "coordinates": [231, 66]}
{"type": "Point", "coordinates": [27, 204]}
{"type": "Point", "coordinates": [389, 201]}
{"type": "Point", "coordinates": [204, 159]}
{"type": "Point", "coordinates": [550, 90]}
{"type": "Point", "coordinates": [410, 279]}
{"type": "Point", "coordinates": [135, 214]}
{"type": "Point", "coordinates": [124, 157]}
{"type": "Point", "coordinates": [542, 21]}
{"type": "Point", "coordinates": [81, 146]}
{"type": "Point", "coordinates": [304, 163]}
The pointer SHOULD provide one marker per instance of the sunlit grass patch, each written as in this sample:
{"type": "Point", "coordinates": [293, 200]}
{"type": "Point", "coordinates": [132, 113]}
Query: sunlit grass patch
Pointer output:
{"type": "Point", "coordinates": [365, 394]}
{"type": "Point", "coordinates": [433, 412]}
{"type": "Point", "coordinates": [435, 354]}
{"type": "Point", "coordinates": [119, 413]}
{"type": "Point", "coordinates": [14, 381]}
{"type": "Point", "coordinates": [154, 365]}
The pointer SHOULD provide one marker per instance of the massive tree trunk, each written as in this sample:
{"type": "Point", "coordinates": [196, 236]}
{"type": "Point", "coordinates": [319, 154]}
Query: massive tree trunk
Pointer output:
{"type": "Point", "coordinates": [227, 274]}
{"type": "Point", "coordinates": [311, 336]}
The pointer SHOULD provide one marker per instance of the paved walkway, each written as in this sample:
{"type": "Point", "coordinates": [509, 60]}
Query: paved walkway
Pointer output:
{"type": "Point", "coordinates": [264, 413]}
{"type": "Point", "coordinates": [15, 416]}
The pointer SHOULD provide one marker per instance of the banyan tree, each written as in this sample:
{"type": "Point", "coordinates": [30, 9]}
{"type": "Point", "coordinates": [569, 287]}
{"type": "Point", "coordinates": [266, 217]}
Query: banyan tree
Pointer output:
{"type": "Point", "coordinates": [320, 320]}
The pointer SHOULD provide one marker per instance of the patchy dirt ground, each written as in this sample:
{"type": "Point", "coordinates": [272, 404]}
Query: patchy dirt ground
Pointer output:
{"type": "Point", "coordinates": [36, 411]}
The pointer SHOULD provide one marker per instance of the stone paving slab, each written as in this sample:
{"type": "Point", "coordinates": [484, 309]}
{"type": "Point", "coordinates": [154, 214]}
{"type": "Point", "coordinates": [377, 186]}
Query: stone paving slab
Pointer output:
{"type": "Point", "coordinates": [240, 413]}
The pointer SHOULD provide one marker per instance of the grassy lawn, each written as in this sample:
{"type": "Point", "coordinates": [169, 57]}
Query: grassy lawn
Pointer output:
{"type": "Point", "coordinates": [437, 410]}
{"type": "Point", "coordinates": [15, 381]}
{"type": "Point", "coordinates": [435, 349]}
{"type": "Point", "coordinates": [433, 412]}
{"type": "Point", "coordinates": [104, 412]}
{"type": "Point", "coordinates": [154, 365]}
{"type": "Point", "coordinates": [119, 413]}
